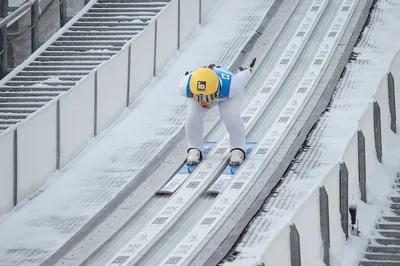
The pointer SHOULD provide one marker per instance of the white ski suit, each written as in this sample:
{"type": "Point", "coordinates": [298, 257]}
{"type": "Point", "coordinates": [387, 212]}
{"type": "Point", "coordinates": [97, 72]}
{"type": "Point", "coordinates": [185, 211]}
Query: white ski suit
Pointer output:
{"type": "Point", "coordinates": [229, 101]}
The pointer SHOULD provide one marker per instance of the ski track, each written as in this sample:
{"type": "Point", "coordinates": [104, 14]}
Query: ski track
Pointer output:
{"type": "Point", "coordinates": [38, 226]}
{"type": "Point", "coordinates": [327, 141]}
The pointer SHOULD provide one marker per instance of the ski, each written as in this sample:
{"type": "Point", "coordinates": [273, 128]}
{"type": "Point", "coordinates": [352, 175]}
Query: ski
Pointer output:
{"type": "Point", "coordinates": [177, 180]}
{"type": "Point", "coordinates": [223, 180]}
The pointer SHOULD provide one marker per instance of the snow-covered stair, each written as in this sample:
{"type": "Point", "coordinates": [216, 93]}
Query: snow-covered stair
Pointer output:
{"type": "Point", "coordinates": [95, 37]}
{"type": "Point", "coordinates": [384, 250]}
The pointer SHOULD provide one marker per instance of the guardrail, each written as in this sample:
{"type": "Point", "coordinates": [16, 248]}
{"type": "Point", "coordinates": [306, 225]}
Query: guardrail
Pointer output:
{"type": "Point", "coordinates": [61, 128]}
{"type": "Point", "coordinates": [320, 225]}
{"type": "Point", "coordinates": [35, 15]}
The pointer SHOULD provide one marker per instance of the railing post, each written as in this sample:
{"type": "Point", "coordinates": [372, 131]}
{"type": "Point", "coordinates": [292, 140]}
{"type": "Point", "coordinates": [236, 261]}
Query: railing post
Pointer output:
{"type": "Point", "coordinates": [155, 48]}
{"type": "Point", "coordinates": [392, 102]}
{"type": "Point", "coordinates": [200, 13]}
{"type": "Point", "coordinates": [179, 25]}
{"type": "Point", "coordinates": [324, 222]}
{"type": "Point", "coordinates": [128, 89]}
{"type": "Point", "coordinates": [3, 40]}
{"type": "Point", "coordinates": [378, 131]}
{"type": "Point", "coordinates": [15, 147]}
{"type": "Point", "coordinates": [35, 26]}
{"type": "Point", "coordinates": [295, 252]}
{"type": "Point", "coordinates": [344, 197]}
{"type": "Point", "coordinates": [362, 166]}
{"type": "Point", "coordinates": [63, 12]}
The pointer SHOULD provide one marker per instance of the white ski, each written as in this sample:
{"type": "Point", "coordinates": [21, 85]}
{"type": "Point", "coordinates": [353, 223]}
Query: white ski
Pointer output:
{"type": "Point", "coordinates": [225, 178]}
{"type": "Point", "coordinates": [177, 180]}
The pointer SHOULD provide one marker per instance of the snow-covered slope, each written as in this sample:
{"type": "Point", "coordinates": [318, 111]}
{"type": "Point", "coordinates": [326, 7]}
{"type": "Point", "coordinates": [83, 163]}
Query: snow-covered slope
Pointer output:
{"type": "Point", "coordinates": [77, 194]}
{"type": "Point", "coordinates": [371, 59]}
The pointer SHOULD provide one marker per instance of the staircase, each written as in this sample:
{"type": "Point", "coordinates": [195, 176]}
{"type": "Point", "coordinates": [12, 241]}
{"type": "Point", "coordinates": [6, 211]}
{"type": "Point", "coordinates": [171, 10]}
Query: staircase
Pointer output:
{"type": "Point", "coordinates": [94, 38]}
{"type": "Point", "coordinates": [384, 250]}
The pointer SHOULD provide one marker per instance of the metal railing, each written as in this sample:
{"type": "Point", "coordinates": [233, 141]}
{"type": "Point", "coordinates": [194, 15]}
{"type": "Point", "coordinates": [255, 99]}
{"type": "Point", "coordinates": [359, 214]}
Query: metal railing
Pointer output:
{"type": "Point", "coordinates": [6, 18]}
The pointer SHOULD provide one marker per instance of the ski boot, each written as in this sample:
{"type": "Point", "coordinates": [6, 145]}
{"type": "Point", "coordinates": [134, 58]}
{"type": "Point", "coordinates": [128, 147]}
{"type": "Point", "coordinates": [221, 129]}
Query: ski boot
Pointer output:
{"type": "Point", "coordinates": [252, 63]}
{"type": "Point", "coordinates": [194, 157]}
{"type": "Point", "coordinates": [237, 157]}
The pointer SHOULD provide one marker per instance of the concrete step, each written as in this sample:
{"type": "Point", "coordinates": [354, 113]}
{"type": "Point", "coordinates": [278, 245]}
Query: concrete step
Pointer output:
{"type": "Point", "coordinates": [10, 117]}
{"type": "Point", "coordinates": [82, 48]}
{"type": "Point", "coordinates": [127, 7]}
{"type": "Point", "coordinates": [89, 43]}
{"type": "Point", "coordinates": [378, 263]}
{"type": "Point", "coordinates": [59, 68]}
{"type": "Point", "coordinates": [395, 206]}
{"type": "Point", "coordinates": [111, 13]}
{"type": "Point", "coordinates": [388, 241]}
{"type": "Point", "coordinates": [143, 16]}
{"type": "Point", "coordinates": [4, 115]}
{"type": "Point", "coordinates": [55, 73]}
{"type": "Point", "coordinates": [396, 212]}
{"type": "Point", "coordinates": [124, 38]}
{"type": "Point", "coordinates": [148, 2]}
{"type": "Point", "coordinates": [383, 256]}
{"type": "Point", "coordinates": [388, 226]}
{"type": "Point", "coordinates": [137, 25]}
{"type": "Point", "coordinates": [102, 33]}
{"type": "Point", "coordinates": [138, 3]}
{"type": "Point", "coordinates": [125, 12]}
{"type": "Point", "coordinates": [100, 28]}
{"type": "Point", "coordinates": [25, 99]}
{"type": "Point", "coordinates": [34, 83]}
{"type": "Point", "coordinates": [395, 219]}
{"type": "Point", "coordinates": [30, 94]}
{"type": "Point", "coordinates": [62, 63]}
{"type": "Point", "coordinates": [390, 233]}
{"type": "Point", "coordinates": [43, 78]}
{"type": "Point", "coordinates": [75, 54]}
{"type": "Point", "coordinates": [10, 121]}
{"type": "Point", "coordinates": [23, 105]}
{"type": "Point", "coordinates": [31, 89]}
{"type": "Point", "coordinates": [70, 58]}
{"type": "Point", "coordinates": [4, 127]}
{"type": "Point", "coordinates": [383, 249]}
{"type": "Point", "coordinates": [19, 110]}
{"type": "Point", "coordinates": [395, 199]}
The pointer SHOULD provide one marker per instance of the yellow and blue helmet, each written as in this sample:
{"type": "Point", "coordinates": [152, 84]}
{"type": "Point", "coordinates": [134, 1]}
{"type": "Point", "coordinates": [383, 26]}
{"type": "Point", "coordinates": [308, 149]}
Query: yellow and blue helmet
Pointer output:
{"type": "Point", "coordinates": [204, 86]}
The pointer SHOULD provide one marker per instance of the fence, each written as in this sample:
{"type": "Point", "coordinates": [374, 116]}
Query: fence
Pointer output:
{"type": "Point", "coordinates": [61, 129]}
{"type": "Point", "coordinates": [35, 16]}
{"type": "Point", "coordinates": [320, 225]}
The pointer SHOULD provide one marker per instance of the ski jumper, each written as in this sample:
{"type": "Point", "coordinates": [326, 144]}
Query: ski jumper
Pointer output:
{"type": "Point", "coordinates": [229, 101]}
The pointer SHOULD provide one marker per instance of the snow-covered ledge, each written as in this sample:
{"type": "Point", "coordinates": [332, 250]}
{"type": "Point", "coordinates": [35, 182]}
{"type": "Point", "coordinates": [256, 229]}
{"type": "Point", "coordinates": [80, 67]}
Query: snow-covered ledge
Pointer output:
{"type": "Point", "coordinates": [319, 228]}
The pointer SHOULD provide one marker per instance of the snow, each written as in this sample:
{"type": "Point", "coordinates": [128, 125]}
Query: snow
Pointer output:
{"type": "Point", "coordinates": [53, 79]}
{"type": "Point", "coordinates": [72, 196]}
{"type": "Point", "coordinates": [375, 50]}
